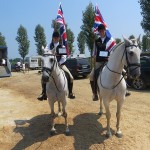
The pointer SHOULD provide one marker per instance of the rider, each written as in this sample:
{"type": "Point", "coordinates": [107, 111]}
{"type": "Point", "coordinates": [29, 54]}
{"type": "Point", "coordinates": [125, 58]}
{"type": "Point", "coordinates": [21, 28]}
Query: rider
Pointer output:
{"type": "Point", "coordinates": [61, 60]}
{"type": "Point", "coordinates": [102, 48]}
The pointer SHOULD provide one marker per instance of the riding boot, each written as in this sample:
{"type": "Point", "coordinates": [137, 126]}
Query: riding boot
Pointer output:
{"type": "Point", "coordinates": [70, 87]}
{"type": "Point", "coordinates": [43, 95]}
{"type": "Point", "coordinates": [127, 93]}
{"type": "Point", "coordinates": [94, 90]}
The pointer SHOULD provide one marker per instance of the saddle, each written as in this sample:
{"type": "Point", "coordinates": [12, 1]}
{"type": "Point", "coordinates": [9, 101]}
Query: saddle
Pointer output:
{"type": "Point", "coordinates": [97, 72]}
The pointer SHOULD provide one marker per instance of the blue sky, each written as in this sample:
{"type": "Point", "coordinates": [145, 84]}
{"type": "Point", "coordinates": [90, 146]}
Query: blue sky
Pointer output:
{"type": "Point", "coordinates": [122, 18]}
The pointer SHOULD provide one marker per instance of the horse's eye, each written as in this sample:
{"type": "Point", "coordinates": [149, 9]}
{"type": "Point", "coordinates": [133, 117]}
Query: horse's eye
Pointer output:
{"type": "Point", "coordinates": [131, 53]}
{"type": "Point", "coordinates": [51, 60]}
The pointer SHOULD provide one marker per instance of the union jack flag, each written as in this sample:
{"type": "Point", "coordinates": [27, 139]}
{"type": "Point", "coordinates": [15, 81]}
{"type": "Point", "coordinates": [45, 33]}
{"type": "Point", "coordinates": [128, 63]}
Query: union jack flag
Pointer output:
{"type": "Point", "coordinates": [98, 19]}
{"type": "Point", "coordinates": [60, 19]}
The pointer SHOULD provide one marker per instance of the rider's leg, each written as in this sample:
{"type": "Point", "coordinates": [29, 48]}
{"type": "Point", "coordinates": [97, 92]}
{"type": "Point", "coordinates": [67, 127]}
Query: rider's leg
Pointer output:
{"type": "Point", "coordinates": [70, 84]}
{"type": "Point", "coordinates": [93, 86]}
{"type": "Point", "coordinates": [43, 95]}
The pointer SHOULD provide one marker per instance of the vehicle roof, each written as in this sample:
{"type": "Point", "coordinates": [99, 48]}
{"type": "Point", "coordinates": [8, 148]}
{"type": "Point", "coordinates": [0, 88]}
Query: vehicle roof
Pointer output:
{"type": "Point", "coordinates": [146, 57]}
{"type": "Point", "coordinates": [3, 47]}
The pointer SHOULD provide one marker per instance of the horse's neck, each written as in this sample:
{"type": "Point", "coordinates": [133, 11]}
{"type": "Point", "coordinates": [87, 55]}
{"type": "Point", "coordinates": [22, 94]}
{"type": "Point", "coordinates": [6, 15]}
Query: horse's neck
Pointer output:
{"type": "Point", "coordinates": [56, 71]}
{"type": "Point", "coordinates": [115, 62]}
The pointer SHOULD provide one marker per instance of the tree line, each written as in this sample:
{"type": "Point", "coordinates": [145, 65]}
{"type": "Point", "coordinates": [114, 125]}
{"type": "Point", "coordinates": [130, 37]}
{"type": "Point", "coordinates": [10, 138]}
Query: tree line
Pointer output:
{"type": "Point", "coordinates": [84, 39]}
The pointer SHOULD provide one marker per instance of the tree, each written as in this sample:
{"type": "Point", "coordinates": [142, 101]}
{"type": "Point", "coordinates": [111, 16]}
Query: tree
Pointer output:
{"type": "Point", "coordinates": [88, 21]}
{"type": "Point", "coordinates": [117, 40]}
{"type": "Point", "coordinates": [23, 42]}
{"type": "Point", "coordinates": [70, 38]}
{"type": "Point", "coordinates": [81, 42]}
{"type": "Point", "coordinates": [131, 37]}
{"type": "Point", "coordinates": [55, 25]}
{"type": "Point", "coordinates": [145, 6]}
{"type": "Point", "coordinates": [145, 43]}
{"type": "Point", "coordinates": [40, 38]}
{"type": "Point", "coordinates": [2, 40]}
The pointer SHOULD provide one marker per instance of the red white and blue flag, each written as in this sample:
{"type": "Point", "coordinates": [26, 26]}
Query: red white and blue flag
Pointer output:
{"type": "Point", "coordinates": [60, 19]}
{"type": "Point", "coordinates": [98, 19]}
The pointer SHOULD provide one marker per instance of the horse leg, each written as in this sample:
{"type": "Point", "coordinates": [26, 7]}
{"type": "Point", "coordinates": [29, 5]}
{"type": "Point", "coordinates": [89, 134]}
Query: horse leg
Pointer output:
{"type": "Point", "coordinates": [59, 109]}
{"type": "Point", "coordinates": [108, 116]}
{"type": "Point", "coordinates": [118, 115]}
{"type": "Point", "coordinates": [67, 132]}
{"type": "Point", "coordinates": [53, 130]}
{"type": "Point", "coordinates": [101, 106]}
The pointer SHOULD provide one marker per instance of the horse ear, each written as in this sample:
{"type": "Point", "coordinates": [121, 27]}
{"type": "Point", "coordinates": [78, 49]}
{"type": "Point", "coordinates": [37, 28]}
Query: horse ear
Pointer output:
{"type": "Point", "coordinates": [138, 39]}
{"type": "Point", "coordinates": [53, 50]}
{"type": "Point", "coordinates": [43, 49]}
{"type": "Point", "coordinates": [127, 41]}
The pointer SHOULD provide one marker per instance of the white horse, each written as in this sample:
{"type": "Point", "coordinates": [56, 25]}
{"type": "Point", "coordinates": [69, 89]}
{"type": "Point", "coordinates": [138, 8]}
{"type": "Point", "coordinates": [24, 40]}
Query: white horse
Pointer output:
{"type": "Point", "coordinates": [56, 86]}
{"type": "Point", "coordinates": [111, 83]}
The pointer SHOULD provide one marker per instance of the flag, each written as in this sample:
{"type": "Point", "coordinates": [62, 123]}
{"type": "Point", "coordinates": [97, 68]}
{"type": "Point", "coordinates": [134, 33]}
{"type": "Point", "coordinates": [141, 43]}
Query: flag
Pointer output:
{"type": "Point", "coordinates": [60, 19]}
{"type": "Point", "coordinates": [98, 19]}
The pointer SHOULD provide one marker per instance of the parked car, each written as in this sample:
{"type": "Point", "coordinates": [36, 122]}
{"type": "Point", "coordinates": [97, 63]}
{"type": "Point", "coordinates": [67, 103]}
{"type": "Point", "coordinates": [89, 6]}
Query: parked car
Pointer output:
{"type": "Point", "coordinates": [144, 80]}
{"type": "Point", "coordinates": [78, 66]}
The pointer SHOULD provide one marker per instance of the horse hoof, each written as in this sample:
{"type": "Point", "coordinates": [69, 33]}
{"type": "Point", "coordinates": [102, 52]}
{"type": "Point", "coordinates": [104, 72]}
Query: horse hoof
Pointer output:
{"type": "Point", "coordinates": [119, 135]}
{"type": "Point", "coordinates": [53, 132]}
{"type": "Point", "coordinates": [108, 135]}
{"type": "Point", "coordinates": [67, 133]}
{"type": "Point", "coordinates": [100, 113]}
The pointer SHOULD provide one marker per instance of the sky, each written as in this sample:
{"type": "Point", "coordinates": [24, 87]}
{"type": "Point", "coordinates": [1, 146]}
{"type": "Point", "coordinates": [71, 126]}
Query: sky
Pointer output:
{"type": "Point", "coordinates": [123, 17]}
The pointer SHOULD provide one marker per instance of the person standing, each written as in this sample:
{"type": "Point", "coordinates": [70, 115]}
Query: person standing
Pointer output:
{"type": "Point", "coordinates": [102, 48]}
{"type": "Point", "coordinates": [61, 60]}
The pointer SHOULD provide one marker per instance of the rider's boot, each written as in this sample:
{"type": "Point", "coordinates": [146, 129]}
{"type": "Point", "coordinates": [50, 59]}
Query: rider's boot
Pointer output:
{"type": "Point", "coordinates": [43, 95]}
{"type": "Point", "coordinates": [127, 93]}
{"type": "Point", "coordinates": [70, 87]}
{"type": "Point", "coordinates": [94, 90]}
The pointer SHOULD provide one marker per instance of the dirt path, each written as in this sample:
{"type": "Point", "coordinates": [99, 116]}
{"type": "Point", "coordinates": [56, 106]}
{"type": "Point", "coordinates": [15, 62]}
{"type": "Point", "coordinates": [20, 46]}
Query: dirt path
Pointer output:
{"type": "Point", "coordinates": [25, 122]}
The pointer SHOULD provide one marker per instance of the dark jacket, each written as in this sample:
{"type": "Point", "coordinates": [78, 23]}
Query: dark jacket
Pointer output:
{"type": "Point", "coordinates": [57, 54]}
{"type": "Point", "coordinates": [101, 47]}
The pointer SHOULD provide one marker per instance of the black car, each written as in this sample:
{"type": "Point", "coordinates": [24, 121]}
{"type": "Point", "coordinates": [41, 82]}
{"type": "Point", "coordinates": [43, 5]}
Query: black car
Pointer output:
{"type": "Point", "coordinates": [144, 80]}
{"type": "Point", "coordinates": [78, 66]}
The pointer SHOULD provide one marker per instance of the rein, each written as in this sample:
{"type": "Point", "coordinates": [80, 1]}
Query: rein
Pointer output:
{"type": "Point", "coordinates": [128, 66]}
{"type": "Point", "coordinates": [49, 71]}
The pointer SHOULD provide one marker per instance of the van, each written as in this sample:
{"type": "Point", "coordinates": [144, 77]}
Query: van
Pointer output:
{"type": "Point", "coordinates": [78, 66]}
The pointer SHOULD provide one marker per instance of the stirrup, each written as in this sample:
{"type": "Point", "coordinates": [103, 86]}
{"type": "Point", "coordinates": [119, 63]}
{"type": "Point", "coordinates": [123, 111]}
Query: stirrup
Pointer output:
{"type": "Point", "coordinates": [95, 97]}
{"type": "Point", "coordinates": [127, 93]}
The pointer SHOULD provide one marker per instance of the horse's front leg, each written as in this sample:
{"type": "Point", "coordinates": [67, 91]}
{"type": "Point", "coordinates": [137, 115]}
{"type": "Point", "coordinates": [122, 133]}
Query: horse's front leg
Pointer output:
{"type": "Point", "coordinates": [118, 115]}
{"type": "Point", "coordinates": [67, 132]}
{"type": "Point", "coordinates": [53, 130]}
{"type": "Point", "coordinates": [108, 116]}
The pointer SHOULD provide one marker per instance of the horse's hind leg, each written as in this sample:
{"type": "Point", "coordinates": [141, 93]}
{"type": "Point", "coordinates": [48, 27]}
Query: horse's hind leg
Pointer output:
{"type": "Point", "coordinates": [67, 132]}
{"type": "Point", "coordinates": [118, 115]}
{"type": "Point", "coordinates": [101, 106]}
{"type": "Point", "coordinates": [59, 109]}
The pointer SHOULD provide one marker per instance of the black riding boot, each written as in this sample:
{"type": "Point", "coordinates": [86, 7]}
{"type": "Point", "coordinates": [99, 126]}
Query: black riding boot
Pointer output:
{"type": "Point", "coordinates": [94, 90]}
{"type": "Point", "coordinates": [127, 93]}
{"type": "Point", "coordinates": [70, 87]}
{"type": "Point", "coordinates": [43, 95]}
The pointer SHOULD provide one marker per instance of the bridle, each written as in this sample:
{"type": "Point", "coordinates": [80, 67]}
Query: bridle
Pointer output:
{"type": "Point", "coordinates": [50, 70]}
{"type": "Point", "coordinates": [128, 66]}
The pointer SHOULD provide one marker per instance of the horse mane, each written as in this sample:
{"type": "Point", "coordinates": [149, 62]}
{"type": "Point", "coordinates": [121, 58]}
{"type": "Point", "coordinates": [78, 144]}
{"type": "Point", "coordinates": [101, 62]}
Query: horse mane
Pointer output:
{"type": "Point", "coordinates": [116, 46]}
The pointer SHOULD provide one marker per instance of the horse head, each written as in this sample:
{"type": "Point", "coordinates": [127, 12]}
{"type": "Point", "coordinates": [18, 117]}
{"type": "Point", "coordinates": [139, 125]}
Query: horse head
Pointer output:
{"type": "Point", "coordinates": [48, 63]}
{"type": "Point", "coordinates": [132, 56]}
